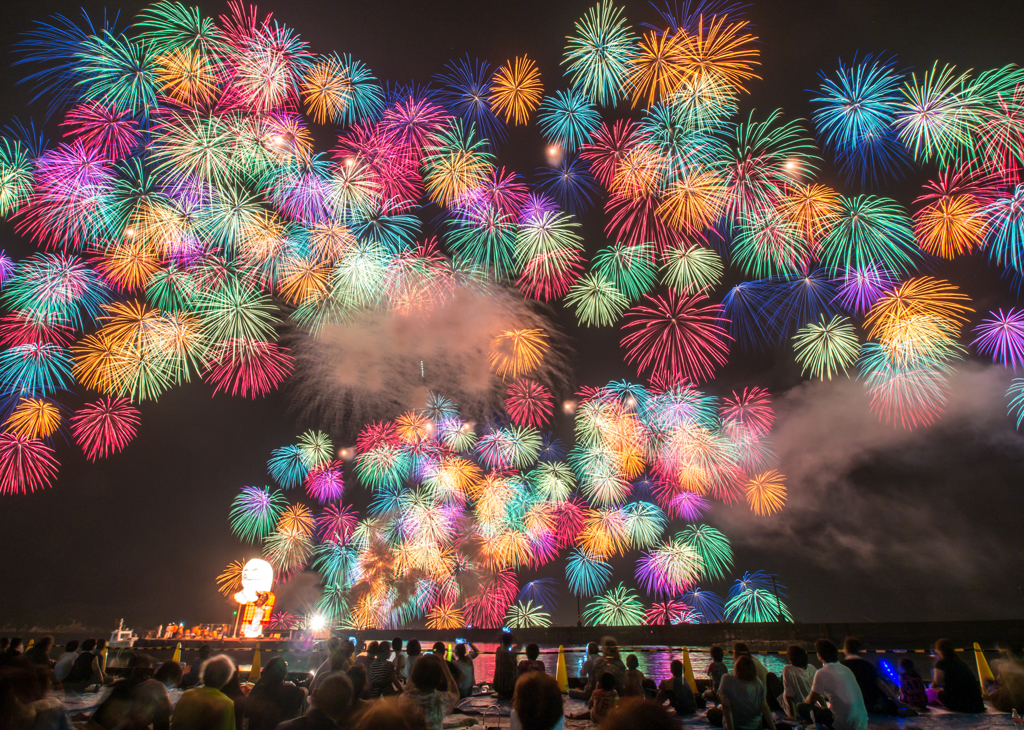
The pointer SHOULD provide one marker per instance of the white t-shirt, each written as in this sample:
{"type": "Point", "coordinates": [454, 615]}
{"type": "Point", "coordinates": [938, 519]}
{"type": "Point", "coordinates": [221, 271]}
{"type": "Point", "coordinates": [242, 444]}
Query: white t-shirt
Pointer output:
{"type": "Point", "coordinates": [64, 664]}
{"type": "Point", "coordinates": [838, 684]}
{"type": "Point", "coordinates": [796, 683]}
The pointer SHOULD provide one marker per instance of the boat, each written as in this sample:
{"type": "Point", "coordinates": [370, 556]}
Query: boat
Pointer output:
{"type": "Point", "coordinates": [122, 638]}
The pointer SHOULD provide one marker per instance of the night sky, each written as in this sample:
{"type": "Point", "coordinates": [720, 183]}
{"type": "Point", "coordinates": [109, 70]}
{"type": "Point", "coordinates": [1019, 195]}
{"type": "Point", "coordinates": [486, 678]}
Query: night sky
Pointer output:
{"type": "Point", "coordinates": [881, 525]}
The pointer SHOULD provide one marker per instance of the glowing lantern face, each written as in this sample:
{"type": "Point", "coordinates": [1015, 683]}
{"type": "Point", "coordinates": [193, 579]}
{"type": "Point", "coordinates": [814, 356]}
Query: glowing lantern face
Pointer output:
{"type": "Point", "coordinates": [255, 597]}
{"type": "Point", "coordinates": [257, 577]}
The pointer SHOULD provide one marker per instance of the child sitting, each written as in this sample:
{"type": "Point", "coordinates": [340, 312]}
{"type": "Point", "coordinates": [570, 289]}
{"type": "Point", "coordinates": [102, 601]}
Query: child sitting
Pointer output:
{"type": "Point", "coordinates": [634, 678]}
{"type": "Point", "coordinates": [912, 691]}
{"type": "Point", "coordinates": [604, 698]}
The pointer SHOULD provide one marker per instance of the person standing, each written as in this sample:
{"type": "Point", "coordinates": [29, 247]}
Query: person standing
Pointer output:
{"type": "Point", "coordinates": [838, 685]}
{"type": "Point", "coordinates": [505, 670]}
{"type": "Point", "coordinates": [464, 657]}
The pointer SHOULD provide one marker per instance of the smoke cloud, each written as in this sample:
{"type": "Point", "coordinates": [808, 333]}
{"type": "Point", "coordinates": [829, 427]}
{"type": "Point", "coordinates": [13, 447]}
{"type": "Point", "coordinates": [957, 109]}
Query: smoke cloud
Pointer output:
{"type": "Point", "coordinates": [940, 503]}
{"type": "Point", "coordinates": [378, 365]}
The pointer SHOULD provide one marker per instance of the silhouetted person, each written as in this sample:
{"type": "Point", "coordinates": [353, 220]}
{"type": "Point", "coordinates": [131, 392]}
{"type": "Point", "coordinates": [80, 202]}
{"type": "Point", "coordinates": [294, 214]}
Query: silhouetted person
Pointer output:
{"type": "Point", "coordinates": [390, 713]}
{"type": "Point", "coordinates": [537, 703]}
{"type": "Point", "coordinates": [912, 690]}
{"type": "Point", "coordinates": [413, 652]}
{"type": "Point", "coordinates": [872, 688]}
{"type": "Point", "coordinates": [136, 702]}
{"type": "Point", "coordinates": [608, 662]}
{"type": "Point", "coordinates": [638, 714]}
{"type": "Point", "coordinates": [677, 691]}
{"type": "Point", "coordinates": [383, 675]}
{"type": "Point", "coordinates": [169, 674]}
{"type": "Point", "coordinates": [593, 654]}
{"type": "Point", "coordinates": [603, 698]}
{"type": "Point", "coordinates": [357, 675]}
{"type": "Point", "coordinates": [531, 663]}
{"type": "Point", "coordinates": [433, 690]}
{"type": "Point", "coordinates": [797, 677]}
{"type": "Point", "coordinates": [233, 690]}
{"type": "Point", "coordinates": [191, 678]}
{"type": "Point", "coordinates": [39, 654]}
{"type": "Point", "coordinates": [87, 669]}
{"type": "Point", "coordinates": [26, 702]}
{"type": "Point", "coordinates": [273, 699]}
{"type": "Point", "coordinates": [329, 708]}
{"type": "Point", "coordinates": [441, 650]}
{"type": "Point", "coordinates": [11, 652]}
{"type": "Point", "coordinates": [206, 707]}
{"type": "Point", "coordinates": [505, 671]}
{"type": "Point", "coordinates": [464, 657]}
{"type": "Point", "coordinates": [744, 699]}
{"type": "Point", "coordinates": [959, 691]}
{"type": "Point", "coordinates": [399, 659]}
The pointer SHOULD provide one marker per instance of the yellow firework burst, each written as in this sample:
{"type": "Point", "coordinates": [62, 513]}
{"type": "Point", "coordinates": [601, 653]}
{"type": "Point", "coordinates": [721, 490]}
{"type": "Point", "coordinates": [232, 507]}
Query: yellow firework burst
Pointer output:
{"type": "Point", "coordinates": [516, 90]}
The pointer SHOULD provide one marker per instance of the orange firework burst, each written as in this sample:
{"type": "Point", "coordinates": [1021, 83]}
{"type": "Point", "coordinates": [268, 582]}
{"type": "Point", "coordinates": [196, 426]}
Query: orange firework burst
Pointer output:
{"type": "Point", "coordinates": [721, 51]}
{"type": "Point", "coordinates": [187, 76]}
{"type": "Point", "coordinates": [658, 69]}
{"type": "Point", "coordinates": [922, 299]}
{"type": "Point", "coordinates": [516, 90]}
{"type": "Point", "coordinates": [813, 209]}
{"type": "Point", "coordinates": [229, 582]}
{"type": "Point", "coordinates": [517, 352]}
{"type": "Point", "coordinates": [446, 617]}
{"type": "Point", "coordinates": [327, 89]}
{"type": "Point", "coordinates": [766, 492]}
{"type": "Point", "coordinates": [33, 418]}
{"type": "Point", "coordinates": [693, 202]}
{"type": "Point", "coordinates": [950, 226]}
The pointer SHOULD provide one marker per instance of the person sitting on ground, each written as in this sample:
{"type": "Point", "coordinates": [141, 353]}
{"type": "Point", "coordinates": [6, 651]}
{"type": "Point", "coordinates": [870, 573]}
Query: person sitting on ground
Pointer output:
{"type": "Point", "coordinates": [233, 690]}
{"type": "Point", "coordinates": [873, 688]}
{"type": "Point", "coordinates": [593, 654]}
{"type": "Point", "coordinates": [434, 689]}
{"type": "Point", "coordinates": [677, 691]}
{"type": "Point", "coordinates": [744, 699]}
{"type": "Point", "coordinates": [958, 690]}
{"type": "Point", "coordinates": [637, 714]}
{"type": "Point", "coordinates": [836, 684]}
{"type": "Point", "coordinates": [603, 698]}
{"type": "Point", "coordinates": [26, 699]}
{"type": "Point", "coordinates": [191, 678]}
{"type": "Point", "coordinates": [611, 663]}
{"type": "Point", "coordinates": [464, 657]}
{"type": "Point", "coordinates": [333, 649]}
{"type": "Point", "coordinates": [797, 677]}
{"type": "Point", "coordinates": [772, 683]}
{"type": "Point", "coordinates": [5, 642]}
{"type": "Point", "coordinates": [1007, 694]}
{"type": "Point", "coordinates": [101, 654]}
{"type": "Point", "coordinates": [442, 651]}
{"type": "Point", "coordinates": [39, 654]}
{"type": "Point", "coordinates": [912, 692]}
{"type": "Point", "coordinates": [398, 659]}
{"type": "Point", "coordinates": [716, 670]}
{"type": "Point", "coordinates": [137, 702]}
{"type": "Point", "coordinates": [12, 651]}
{"type": "Point", "coordinates": [86, 671]}
{"type": "Point", "coordinates": [360, 693]}
{"type": "Point", "coordinates": [272, 699]}
{"type": "Point", "coordinates": [537, 703]}
{"type": "Point", "coordinates": [633, 679]}
{"type": "Point", "coordinates": [65, 661]}
{"type": "Point", "coordinates": [531, 663]}
{"type": "Point", "coordinates": [383, 675]}
{"type": "Point", "coordinates": [169, 674]}
{"type": "Point", "coordinates": [206, 707]}
{"type": "Point", "coordinates": [330, 705]}
{"type": "Point", "coordinates": [413, 652]}
{"type": "Point", "coordinates": [390, 713]}
{"type": "Point", "coordinates": [505, 669]}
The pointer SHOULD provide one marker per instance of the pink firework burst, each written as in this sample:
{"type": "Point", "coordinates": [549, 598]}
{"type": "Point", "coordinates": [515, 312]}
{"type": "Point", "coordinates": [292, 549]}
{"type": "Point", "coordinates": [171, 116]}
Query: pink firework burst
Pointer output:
{"type": "Point", "coordinates": [676, 337]}
{"type": "Point", "coordinates": [105, 426]}
{"type": "Point", "coordinates": [325, 483]}
{"type": "Point", "coordinates": [528, 403]}
{"type": "Point", "coordinates": [25, 464]}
